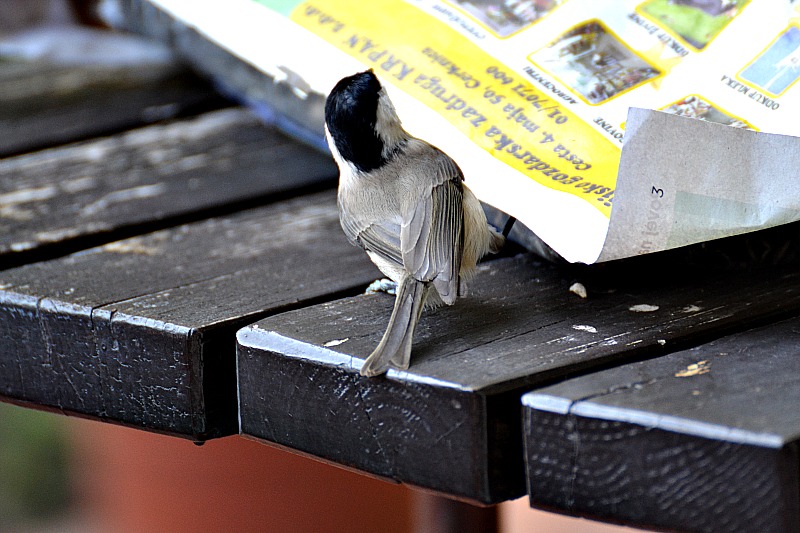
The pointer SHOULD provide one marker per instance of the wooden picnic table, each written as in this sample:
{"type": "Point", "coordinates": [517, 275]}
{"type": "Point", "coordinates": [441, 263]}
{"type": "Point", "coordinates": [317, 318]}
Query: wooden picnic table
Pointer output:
{"type": "Point", "coordinates": [185, 274]}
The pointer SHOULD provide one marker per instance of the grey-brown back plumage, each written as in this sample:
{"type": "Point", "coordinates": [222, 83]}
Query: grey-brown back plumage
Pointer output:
{"type": "Point", "coordinates": [423, 233]}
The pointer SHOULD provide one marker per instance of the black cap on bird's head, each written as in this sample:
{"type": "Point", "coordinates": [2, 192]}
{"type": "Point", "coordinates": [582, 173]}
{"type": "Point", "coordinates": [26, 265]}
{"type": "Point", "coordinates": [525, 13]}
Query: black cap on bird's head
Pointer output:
{"type": "Point", "coordinates": [355, 95]}
{"type": "Point", "coordinates": [353, 117]}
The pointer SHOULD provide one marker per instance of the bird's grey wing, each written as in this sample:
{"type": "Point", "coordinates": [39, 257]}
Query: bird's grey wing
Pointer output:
{"type": "Point", "coordinates": [431, 241]}
{"type": "Point", "coordinates": [382, 238]}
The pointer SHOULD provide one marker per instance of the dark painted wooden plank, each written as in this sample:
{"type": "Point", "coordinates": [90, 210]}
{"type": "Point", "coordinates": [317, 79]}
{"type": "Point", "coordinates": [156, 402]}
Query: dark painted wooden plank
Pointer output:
{"type": "Point", "coordinates": [451, 423]}
{"type": "Point", "coordinates": [141, 331]}
{"type": "Point", "coordinates": [43, 104]}
{"type": "Point", "coordinates": [704, 439]}
{"type": "Point", "coordinates": [61, 199]}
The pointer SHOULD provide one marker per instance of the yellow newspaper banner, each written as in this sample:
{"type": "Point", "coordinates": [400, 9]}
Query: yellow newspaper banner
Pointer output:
{"type": "Point", "coordinates": [520, 124]}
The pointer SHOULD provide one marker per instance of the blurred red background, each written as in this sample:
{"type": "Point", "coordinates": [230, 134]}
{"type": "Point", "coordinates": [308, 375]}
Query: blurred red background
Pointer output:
{"type": "Point", "coordinates": [132, 481]}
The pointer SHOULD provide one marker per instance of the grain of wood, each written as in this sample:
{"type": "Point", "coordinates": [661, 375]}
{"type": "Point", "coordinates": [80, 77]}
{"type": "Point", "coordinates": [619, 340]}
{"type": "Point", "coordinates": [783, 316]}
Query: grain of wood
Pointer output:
{"type": "Point", "coordinates": [141, 331]}
{"type": "Point", "coordinates": [451, 423]}
{"type": "Point", "coordinates": [703, 439]}
{"type": "Point", "coordinates": [143, 177]}
{"type": "Point", "coordinates": [42, 105]}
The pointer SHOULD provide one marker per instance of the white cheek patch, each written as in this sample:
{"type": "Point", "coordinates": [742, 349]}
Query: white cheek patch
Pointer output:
{"type": "Point", "coordinates": [346, 169]}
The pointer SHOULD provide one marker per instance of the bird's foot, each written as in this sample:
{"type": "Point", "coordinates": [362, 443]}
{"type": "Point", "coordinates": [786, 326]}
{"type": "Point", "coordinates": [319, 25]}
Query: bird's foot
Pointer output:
{"type": "Point", "coordinates": [382, 285]}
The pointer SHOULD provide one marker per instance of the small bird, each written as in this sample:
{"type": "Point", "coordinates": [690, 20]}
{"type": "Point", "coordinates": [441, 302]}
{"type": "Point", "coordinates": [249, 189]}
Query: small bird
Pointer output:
{"type": "Point", "coordinates": [404, 202]}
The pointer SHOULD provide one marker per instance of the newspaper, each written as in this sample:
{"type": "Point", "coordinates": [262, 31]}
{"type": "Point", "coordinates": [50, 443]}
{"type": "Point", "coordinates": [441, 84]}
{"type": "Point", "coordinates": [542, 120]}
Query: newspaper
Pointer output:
{"type": "Point", "coordinates": [532, 99]}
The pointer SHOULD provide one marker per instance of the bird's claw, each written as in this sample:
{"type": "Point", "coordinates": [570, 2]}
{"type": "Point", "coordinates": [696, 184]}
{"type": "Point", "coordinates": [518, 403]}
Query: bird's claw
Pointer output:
{"type": "Point", "coordinates": [382, 285]}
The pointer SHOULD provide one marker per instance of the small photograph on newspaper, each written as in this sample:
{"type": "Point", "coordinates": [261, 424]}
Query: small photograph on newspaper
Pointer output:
{"type": "Point", "coordinates": [778, 67]}
{"type": "Point", "coordinates": [693, 106]}
{"type": "Point", "coordinates": [595, 63]}
{"type": "Point", "coordinates": [507, 17]}
{"type": "Point", "coordinates": [695, 21]}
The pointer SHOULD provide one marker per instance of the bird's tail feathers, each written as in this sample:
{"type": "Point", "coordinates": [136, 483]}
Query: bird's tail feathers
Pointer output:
{"type": "Point", "coordinates": [395, 346]}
